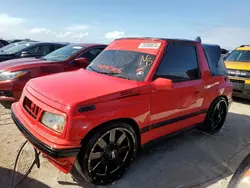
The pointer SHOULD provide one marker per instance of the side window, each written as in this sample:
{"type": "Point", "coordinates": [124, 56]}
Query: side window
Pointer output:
{"type": "Point", "coordinates": [179, 63]}
{"type": "Point", "coordinates": [1, 45]}
{"type": "Point", "coordinates": [91, 54]}
{"type": "Point", "coordinates": [32, 50]}
{"type": "Point", "coordinates": [56, 47]}
{"type": "Point", "coordinates": [44, 49]}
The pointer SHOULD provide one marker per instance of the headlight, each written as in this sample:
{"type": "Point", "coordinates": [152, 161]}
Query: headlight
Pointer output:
{"type": "Point", "coordinates": [11, 75]}
{"type": "Point", "coordinates": [53, 121]}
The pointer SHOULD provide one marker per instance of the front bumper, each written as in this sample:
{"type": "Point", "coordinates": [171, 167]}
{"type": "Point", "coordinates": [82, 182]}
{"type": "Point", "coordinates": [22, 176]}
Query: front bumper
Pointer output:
{"type": "Point", "coordinates": [52, 152]}
{"type": "Point", "coordinates": [241, 88]}
{"type": "Point", "coordinates": [62, 158]}
{"type": "Point", "coordinates": [10, 91]}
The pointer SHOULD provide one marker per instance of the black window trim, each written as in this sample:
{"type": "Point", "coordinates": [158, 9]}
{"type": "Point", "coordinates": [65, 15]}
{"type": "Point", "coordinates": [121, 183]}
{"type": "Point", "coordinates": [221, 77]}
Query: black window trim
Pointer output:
{"type": "Point", "coordinates": [183, 43]}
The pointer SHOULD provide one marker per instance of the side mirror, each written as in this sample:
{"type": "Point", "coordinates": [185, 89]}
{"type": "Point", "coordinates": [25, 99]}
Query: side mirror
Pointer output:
{"type": "Point", "coordinates": [82, 61]}
{"type": "Point", "coordinates": [24, 54]}
{"type": "Point", "coordinates": [163, 84]}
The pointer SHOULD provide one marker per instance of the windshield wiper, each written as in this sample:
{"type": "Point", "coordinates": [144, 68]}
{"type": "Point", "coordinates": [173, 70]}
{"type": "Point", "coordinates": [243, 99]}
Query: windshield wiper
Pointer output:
{"type": "Point", "coordinates": [97, 71]}
{"type": "Point", "coordinates": [115, 74]}
{"type": "Point", "coordinates": [124, 77]}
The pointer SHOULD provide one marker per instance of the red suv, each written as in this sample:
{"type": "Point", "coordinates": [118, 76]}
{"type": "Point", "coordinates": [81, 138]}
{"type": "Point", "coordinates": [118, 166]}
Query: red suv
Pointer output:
{"type": "Point", "coordinates": [135, 91]}
{"type": "Point", "coordinates": [15, 73]}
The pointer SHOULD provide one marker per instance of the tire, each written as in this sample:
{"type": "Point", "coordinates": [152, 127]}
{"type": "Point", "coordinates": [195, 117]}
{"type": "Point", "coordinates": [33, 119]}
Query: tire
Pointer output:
{"type": "Point", "coordinates": [241, 171]}
{"type": "Point", "coordinates": [108, 153]}
{"type": "Point", "coordinates": [216, 116]}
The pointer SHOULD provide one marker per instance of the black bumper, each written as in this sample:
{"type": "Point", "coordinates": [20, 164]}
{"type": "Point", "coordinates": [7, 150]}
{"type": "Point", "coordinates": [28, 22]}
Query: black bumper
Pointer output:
{"type": "Point", "coordinates": [241, 90]}
{"type": "Point", "coordinates": [52, 152]}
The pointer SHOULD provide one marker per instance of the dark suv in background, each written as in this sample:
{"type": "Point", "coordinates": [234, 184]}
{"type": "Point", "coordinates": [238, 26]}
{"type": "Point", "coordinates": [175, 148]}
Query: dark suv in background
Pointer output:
{"type": "Point", "coordinates": [28, 49]}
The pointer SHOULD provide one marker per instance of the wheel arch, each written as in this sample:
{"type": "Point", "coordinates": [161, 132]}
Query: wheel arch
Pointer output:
{"type": "Point", "coordinates": [129, 121]}
{"type": "Point", "coordinates": [221, 96]}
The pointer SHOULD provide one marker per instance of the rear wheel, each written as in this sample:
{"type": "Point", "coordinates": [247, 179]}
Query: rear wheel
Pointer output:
{"type": "Point", "coordinates": [216, 116]}
{"type": "Point", "coordinates": [108, 153]}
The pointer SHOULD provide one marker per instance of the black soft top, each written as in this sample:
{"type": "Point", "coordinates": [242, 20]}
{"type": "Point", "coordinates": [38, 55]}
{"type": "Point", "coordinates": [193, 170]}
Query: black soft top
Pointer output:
{"type": "Point", "coordinates": [214, 59]}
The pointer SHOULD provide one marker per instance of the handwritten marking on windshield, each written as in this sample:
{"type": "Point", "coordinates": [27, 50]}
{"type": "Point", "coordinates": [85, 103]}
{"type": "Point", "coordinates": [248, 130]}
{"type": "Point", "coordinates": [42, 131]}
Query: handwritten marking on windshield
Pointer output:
{"type": "Point", "coordinates": [109, 68]}
{"type": "Point", "coordinates": [146, 60]}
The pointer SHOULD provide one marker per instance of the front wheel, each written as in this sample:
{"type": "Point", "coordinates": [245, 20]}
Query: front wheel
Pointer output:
{"type": "Point", "coordinates": [108, 153]}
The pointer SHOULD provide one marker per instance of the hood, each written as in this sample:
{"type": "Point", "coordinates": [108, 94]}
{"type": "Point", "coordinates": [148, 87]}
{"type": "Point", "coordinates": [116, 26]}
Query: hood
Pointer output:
{"type": "Point", "coordinates": [14, 63]}
{"type": "Point", "coordinates": [238, 65]}
{"type": "Point", "coordinates": [2, 54]}
{"type": "Point", "coordinates": [83, 86]}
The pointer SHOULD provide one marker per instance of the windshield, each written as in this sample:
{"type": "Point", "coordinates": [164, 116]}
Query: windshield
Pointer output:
{"type": "Point", "coordinates": [124, 64]}
{"type": "Point", "coordinates": [7, 47]}
{"type": "Point", "coordinates": [3, 49]}
{"type": "Point", "coordinates": [63, 53]}
{"type": "Point", "coordinates": [17, 47]}
{"type": "Point", "coordinates": [239, 55]}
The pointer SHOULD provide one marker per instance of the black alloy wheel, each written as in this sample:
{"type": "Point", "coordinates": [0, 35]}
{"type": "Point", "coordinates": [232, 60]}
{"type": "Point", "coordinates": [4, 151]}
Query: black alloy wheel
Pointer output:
{"type": "Point", "coordinates": [216, 116]}
{"type": "Point", "coordinates": [109, 153]}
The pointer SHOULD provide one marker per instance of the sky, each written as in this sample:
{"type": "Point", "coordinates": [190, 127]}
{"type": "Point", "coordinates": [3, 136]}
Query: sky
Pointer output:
{"type": "Point", "coordinates": [223, 22]}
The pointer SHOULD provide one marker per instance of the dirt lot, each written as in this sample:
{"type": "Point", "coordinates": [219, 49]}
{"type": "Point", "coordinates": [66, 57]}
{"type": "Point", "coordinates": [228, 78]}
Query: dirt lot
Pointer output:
{"type": "Point", "coordinates": [192, 159]}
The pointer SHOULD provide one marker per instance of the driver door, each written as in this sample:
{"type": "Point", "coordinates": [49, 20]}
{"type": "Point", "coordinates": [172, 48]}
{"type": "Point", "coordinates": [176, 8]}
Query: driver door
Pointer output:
{"type": "Point", "coordinates": [178, 108]}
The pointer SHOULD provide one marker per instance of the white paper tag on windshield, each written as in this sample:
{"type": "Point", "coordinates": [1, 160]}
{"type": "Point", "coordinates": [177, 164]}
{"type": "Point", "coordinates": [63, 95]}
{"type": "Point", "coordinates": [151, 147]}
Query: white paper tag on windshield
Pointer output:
{"type": "Point", "coordinates": [77, 47]}
{"type": "Point", "coordinates": [150, 45]}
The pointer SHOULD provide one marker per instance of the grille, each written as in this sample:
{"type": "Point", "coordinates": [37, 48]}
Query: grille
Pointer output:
{"type": "Point", "coordinates": [237, 81]}
{"type": "Point", "coordinates": [239, 73]}
{"type": "Point", "coordinates": [31, 108]}
{"type": "Point", "coordinates": [237, 90]}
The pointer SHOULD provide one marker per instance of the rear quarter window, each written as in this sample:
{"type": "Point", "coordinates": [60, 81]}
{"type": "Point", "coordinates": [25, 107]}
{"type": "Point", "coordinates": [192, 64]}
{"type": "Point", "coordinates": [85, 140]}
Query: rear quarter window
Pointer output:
{"type": "Point", "coordinates": [215, 60]}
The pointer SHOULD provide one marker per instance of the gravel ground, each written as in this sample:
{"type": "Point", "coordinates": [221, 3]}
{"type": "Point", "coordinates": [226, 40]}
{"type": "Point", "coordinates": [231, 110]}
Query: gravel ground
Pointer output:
{"type": "Point", "coordinates": [191, 159]}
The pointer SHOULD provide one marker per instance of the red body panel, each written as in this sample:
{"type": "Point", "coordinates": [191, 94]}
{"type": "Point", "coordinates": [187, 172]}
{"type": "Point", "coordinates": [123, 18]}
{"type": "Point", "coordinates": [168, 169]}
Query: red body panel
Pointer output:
{"type": "Point", "coordinates": [64, 93]}
{"type": "Point", "coordinates": [35, 68]}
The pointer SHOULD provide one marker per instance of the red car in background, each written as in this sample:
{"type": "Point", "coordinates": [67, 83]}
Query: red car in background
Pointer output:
{"type": "Point", "coordinates": [15, 73]}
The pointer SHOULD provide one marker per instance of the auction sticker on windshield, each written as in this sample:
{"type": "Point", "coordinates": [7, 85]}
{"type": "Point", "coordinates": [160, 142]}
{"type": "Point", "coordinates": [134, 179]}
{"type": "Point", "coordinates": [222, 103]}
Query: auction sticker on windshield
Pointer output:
{"type": "Point", "coordinates": [150, 45]}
